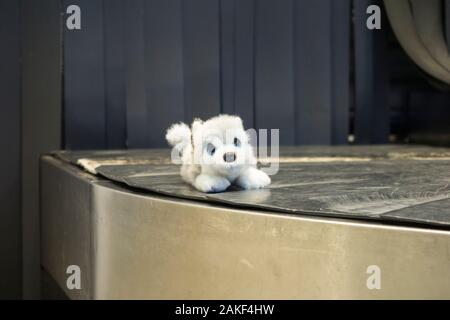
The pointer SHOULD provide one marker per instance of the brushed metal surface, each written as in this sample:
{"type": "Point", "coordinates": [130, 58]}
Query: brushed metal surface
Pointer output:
{"type": "Point", "coordinates": [133, 245]}
{"type": "Point", "coordinates": [66, 215]}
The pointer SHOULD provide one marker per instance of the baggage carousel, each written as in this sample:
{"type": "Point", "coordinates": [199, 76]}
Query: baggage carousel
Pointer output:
{"type": "Point", "coordinates": [332, 220]}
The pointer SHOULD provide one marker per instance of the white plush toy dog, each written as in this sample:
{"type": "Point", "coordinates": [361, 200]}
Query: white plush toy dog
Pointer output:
{"type": "Point", "coordinates": [215, 154]}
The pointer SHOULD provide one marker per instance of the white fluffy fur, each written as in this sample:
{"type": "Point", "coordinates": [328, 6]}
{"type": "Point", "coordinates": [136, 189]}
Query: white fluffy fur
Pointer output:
{"type": "Point", "coordinates": [178, 134]}
{"type": "Point", "coordinates": [215, 171]}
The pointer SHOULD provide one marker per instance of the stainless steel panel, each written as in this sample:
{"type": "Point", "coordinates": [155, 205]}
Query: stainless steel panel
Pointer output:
{"type": "Point", "coordinates": [66, 223]}
{"type": "Point", "coordinates": [134, 245]}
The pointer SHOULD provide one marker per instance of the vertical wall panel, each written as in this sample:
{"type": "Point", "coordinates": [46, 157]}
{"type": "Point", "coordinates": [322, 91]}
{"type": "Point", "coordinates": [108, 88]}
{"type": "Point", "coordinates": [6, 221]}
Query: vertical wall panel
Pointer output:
{"type": "Point", "coordinates": [244, 61]}
{"type": "Point", "coordinates": [41, 119]}
{"type": "Point", "coordinates": [10, 213]}
{"type": "Point", "coordinates": [201, 58]}
{"type": "Point", "coordinates": [371, 107]}
{"type": "Point", "coordinates": [274, 74]}
{"type": "Point", "coordinates": [163, 67]}
{"type": "Point", "coordinates": [84, 89]}
{"type": "Point", "coordinates": [137, 136]}
{"type": "Point", "coordinates": [237, 58]}
{"type": "Point", "coordinates": [340, 81]}
{"type": "Point", "coordinates": [228, 54]}
{"type": "Point", "coordinates": [313, 70]}
{"type": "Point", "coordinates": [114, 73]}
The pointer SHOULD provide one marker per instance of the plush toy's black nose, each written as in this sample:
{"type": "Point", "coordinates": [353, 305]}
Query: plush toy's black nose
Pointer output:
{"type": "Point", "coordinates": [229, 157]}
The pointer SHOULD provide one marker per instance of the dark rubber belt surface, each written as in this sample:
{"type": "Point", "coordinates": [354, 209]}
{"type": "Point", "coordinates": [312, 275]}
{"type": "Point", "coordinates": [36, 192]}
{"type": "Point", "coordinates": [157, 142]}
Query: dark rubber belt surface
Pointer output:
{"type": "Point", "coordinates": [387, 183]}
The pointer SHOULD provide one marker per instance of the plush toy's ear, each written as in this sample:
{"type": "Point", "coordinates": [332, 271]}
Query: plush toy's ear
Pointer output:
{"type": "Point", "coordinates": [196, 125]}
{"type": "Point", "coordinates": [238, 121]}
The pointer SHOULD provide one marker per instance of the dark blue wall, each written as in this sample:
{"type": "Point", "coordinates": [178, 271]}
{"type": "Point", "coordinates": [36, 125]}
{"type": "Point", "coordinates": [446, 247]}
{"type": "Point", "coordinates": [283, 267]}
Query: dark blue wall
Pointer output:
{"type": "Point", "coordinates": [137, 66]}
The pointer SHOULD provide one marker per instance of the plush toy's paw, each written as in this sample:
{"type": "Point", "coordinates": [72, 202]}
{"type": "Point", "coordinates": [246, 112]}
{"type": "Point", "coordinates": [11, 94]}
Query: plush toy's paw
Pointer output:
{"type": "Point", "coordinates": [206, 183]}
{"type": "Point", "coordinates": [253, 179]}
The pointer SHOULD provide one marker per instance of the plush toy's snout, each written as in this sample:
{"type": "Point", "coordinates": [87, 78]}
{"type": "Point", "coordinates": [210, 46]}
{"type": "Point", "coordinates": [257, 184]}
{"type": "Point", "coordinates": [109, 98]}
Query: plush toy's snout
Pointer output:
{"type": "Point", "coordinates": [229, 157]}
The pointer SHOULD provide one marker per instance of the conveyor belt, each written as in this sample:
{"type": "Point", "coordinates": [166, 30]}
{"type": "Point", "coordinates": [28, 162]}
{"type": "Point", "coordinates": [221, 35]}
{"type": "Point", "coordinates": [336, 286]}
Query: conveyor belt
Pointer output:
{"type": "Point", "coordinates": [408, 184]}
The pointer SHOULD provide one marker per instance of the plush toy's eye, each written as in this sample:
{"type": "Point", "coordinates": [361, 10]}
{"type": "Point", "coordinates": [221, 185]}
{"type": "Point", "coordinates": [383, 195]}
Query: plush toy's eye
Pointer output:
{"type": "Point", "coordinates": [237, 142]}
{"type": "Point", "coordinates": [210, 149]}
